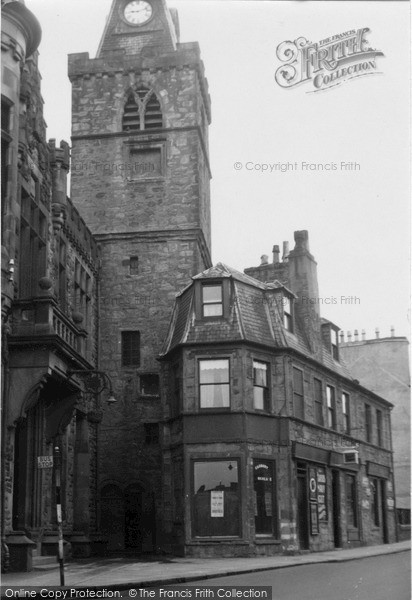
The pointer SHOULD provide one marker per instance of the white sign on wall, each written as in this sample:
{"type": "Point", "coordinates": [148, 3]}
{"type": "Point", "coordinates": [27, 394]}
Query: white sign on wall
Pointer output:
{"type": "Point", "coordinates": [217, 504]}
{"type": "Point", "coordinates": [44, 462]}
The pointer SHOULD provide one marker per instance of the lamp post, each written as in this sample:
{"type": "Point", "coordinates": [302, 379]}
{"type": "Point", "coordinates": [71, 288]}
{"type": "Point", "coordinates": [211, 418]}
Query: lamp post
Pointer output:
{"type": "Point", "coordinates": [60, 550]}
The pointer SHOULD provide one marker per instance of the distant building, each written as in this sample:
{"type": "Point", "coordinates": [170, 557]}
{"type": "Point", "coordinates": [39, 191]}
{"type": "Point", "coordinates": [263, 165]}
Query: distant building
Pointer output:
{"type": "Point", "coordinates": [273, 445]}
{"type": "Point", "coordinates": [382, 365]}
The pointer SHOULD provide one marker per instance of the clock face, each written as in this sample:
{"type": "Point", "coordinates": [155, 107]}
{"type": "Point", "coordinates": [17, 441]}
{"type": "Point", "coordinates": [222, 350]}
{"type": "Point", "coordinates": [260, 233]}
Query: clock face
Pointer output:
{"type": "Point", "coordinates": [138, 12]}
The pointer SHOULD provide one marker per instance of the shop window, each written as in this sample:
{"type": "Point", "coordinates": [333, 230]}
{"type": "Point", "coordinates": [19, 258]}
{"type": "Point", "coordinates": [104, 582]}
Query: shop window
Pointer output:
{"type": "Point", "coordinates": [346, 412]}
{"type": "Point", "coordinates": [379, 429]}
{"type": "Point", "coordinates": [212, 300]}
{"type": "Point", "coordinates": [368, 423]}
{"type": "Point", "coordinates": [214, 383]}
{"type": "Point", "coordinates": [260, 385]}
{"type": "Point", "coordinates": [404, 516]}
{"type": "Point", "coordinates": [264, 497]}
{"type": "Point", "coordinates": [216, 499]}
{"type": "Point", "coordinates": [287, 313]}
{"type": "Point", "coordinates": [318, 395]}
{"type": "Point", "coordinates": [374, 484]}
{"type": "Point", "coordinates": [149, 384]}
{"type": "Point", "coordinates": [331, 406]}
{"type": "Point", "coordinates": [298, 401]}
{"type": "Point", "coordinates": [130, 348]}
{"type": "Point", "coordinates": [351, 502]}
{"type": "Point", "coordinates": [151, 432]}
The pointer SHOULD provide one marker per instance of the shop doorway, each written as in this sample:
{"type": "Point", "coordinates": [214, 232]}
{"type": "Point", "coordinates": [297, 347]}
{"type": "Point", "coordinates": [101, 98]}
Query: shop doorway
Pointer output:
{"type": "Point", "coordinates": [384, 512]}
{"type": "Point", "coordinates": [303, 516]}
{"type": "Point", "coordinates": [336, 493]}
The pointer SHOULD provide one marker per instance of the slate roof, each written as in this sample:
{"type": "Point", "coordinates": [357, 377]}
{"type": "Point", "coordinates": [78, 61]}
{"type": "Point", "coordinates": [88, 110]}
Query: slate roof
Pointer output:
{"type": "Point", "coordinates": [254, 316]}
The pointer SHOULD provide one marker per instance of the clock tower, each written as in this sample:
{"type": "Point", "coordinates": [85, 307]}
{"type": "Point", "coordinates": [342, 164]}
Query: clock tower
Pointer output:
{"type": "Point", "coordinates": [140, 180]}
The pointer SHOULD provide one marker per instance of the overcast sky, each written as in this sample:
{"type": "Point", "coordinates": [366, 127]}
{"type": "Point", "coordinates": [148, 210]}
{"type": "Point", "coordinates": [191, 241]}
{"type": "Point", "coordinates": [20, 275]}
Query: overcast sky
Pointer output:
{"type": "Point", "coordinates": [358, 221]}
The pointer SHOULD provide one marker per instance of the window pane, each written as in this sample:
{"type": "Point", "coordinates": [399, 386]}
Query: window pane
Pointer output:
{"type": "Point", "coordinates": [212, 310]}
{"type": "Point", "coordinates": [297, 381]}
{"type": "Point", "coordinates": [214, 371]}
{"type": "Point", "coordinates": [259, 398]}
{"type": "Point", "coordinates": [214, 395]}
{"type": "Point", "coordinates": [216, 499]}
{"type": "Point", "coordinates": [260, 373]}
{"type": "Point", "coordinates": [212, 293]}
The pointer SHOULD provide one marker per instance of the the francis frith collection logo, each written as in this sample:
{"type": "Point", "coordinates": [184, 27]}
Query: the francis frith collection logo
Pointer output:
{"type": "Point", "coordinates": [327, 63]}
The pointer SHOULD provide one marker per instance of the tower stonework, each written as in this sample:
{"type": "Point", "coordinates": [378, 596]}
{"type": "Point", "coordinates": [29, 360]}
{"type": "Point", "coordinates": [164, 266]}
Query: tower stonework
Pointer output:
{"type": "Point", "coordinates": [140, 179]}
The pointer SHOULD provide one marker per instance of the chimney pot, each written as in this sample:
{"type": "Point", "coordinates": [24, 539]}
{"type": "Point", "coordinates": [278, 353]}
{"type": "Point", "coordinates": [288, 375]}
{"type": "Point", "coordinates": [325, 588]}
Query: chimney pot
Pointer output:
{"type": "Point", "coordinates": [285, 251]}
{"type": "Point", "coordinates": [276, 253]}
{"type": "Point", "coordinates": [342, 337]}
{"type": "Point", "coordinates": [264, 259]}
{"type": "Point", "coordinates": [392, 331]}
{"type": "Point", "coordinates": [349, 336]}
{"type": "Point", "coordinates": [356, 335]}
{"type": "Point", "coordinates": [363, 335]}
{"type": "Point", "coordinates": [377, 333]}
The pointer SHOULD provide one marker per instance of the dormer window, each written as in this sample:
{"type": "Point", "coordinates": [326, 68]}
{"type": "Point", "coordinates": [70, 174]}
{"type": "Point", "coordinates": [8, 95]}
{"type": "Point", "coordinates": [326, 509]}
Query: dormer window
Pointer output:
{"type": "Point", "coordinates": [212, 300]}
{"type": "Point", "coordinates": [287, 313]}
{"type": "Point", "coordinates": [334, 343]}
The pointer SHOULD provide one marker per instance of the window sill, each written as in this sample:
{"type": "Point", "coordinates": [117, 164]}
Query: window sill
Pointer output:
{"type": "Point", "coordinates": [235, 541]}
{"type": "Point", "coordinates": [261, 539]}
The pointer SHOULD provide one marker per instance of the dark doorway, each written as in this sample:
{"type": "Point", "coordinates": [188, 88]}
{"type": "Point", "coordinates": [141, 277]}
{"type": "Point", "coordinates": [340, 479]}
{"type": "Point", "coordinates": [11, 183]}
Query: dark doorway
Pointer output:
{"type": "Point", "coordinates": [112, 516]}
{"type": "Point", "coordinates": [303, 517]}
{"type": "Point", "coordinates": [139, 520]}
{"type": "Point", "coordinates": [384, 513]}
{"type": "Point", "coordinates": [337, 536]}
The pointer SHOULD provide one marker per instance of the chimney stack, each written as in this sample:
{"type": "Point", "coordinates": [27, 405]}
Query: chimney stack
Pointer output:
{"type": "Point", "coordinates": [285, 251]}
{"type": "Point", "coordinates": [303, 281]}
{"type": "Point", "coordinates": [264, 259]}
{"type": "Point", "coordinates": [276, 253]}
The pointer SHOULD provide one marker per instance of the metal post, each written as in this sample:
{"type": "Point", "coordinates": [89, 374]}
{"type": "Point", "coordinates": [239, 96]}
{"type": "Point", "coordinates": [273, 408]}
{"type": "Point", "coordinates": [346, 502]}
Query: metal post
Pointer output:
{"type": "Point", "coordinates": [60, 555]}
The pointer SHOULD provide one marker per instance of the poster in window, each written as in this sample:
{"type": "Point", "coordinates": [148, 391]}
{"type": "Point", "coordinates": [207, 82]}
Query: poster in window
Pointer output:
{"type": "Point", "coordinates": [217, 504]}
{"type": "Point", "coordinates": [314, 525]}
{"type": "Point", "coordinates": [321, 495]}
{"type": "Point", "coordinates": [312, 485]}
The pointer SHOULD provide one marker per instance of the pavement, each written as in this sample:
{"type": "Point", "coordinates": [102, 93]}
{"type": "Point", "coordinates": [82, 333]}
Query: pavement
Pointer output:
{"type": "Point", "coordinates": [125, 573]}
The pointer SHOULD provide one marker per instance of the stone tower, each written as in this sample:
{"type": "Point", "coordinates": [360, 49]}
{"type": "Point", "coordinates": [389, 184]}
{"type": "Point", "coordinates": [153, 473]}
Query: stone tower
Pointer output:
{"type": "Point", "coordinates": [140, 179]}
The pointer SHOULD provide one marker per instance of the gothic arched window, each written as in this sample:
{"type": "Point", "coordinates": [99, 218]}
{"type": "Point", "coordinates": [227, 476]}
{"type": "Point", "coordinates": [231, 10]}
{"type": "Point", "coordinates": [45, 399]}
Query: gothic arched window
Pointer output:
{"type": "Point", "coordinates": [142, 110]}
